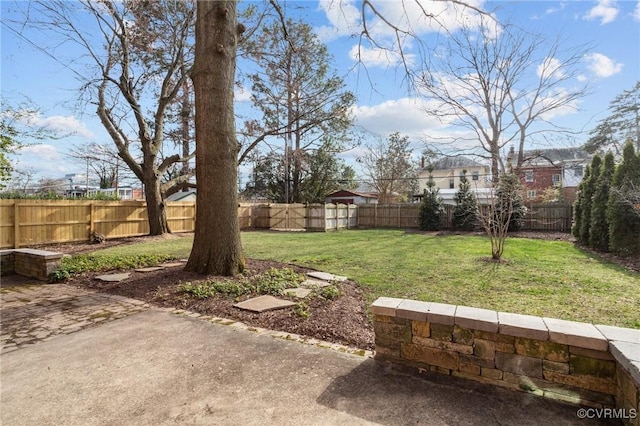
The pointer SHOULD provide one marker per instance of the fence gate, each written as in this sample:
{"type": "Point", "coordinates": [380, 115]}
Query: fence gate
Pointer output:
{"type": "Point", "coordinates": [297, 216]}
{"type": "Point", "coordinates": [287, 216]}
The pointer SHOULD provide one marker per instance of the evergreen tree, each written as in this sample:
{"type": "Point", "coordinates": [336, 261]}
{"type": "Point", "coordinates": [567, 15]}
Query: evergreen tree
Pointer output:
{"type": "Point", "coordinates": [578, 205]}
{"type": "Point", "coordinates": [587, 194]}
{"type": "Point", "coordinates": [624, 221]}
{"type": "Point", "coordinates": [465, 213]}
{"type": "Point", "coordinates": [599, 228]}
{"type": "Point", "coordinates": [509, 197]}
{"type": "Point", "coordinates": [431, 209]}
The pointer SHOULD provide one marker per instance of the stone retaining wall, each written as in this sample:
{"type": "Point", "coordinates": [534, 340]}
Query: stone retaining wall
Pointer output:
{"type": "Point", "coordinates": [592, 365]}
{"type": "Point", "coordinates": [29, 262]}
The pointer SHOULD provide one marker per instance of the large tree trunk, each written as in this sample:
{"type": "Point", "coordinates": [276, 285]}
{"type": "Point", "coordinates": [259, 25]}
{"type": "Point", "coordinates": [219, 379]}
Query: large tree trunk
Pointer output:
{"type": "Point", "coordinates": [216, 246]}
{"type": "Point", "coordinates": [185, 114]}
{"type": "Point", "coordinates": [155, 206]}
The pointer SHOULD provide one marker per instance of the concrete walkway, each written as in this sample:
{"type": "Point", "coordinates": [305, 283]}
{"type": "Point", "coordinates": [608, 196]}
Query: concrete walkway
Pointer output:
{"type": "Point", "coordinates": [152, 367]}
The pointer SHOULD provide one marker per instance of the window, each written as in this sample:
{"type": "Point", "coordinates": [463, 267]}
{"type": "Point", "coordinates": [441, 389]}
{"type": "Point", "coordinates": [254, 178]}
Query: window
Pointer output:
{"type": "Point", "coordinates": [452, 183]}
{"type": "Point", "coordinates": [528, 175]}
{"type": "Point", "coordinates": [578, 171]}
{"type": "Point", "coordinates": [125, 193]}
{"type": "Point", "coordinates": [531, 194]}
{"type": "Point", "coordinates": [555, 179]}
{"type": "Point", "coordinates": [475, 175]}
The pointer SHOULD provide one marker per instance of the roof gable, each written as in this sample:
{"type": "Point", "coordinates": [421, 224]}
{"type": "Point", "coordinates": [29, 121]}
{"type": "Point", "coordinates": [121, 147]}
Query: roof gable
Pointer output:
{"type": "Point", "coordinates": [447, 163]}
{"type": "Point", "coordinates": [346, 193]}
{"type": "Point", "coordinates": [556, 156]}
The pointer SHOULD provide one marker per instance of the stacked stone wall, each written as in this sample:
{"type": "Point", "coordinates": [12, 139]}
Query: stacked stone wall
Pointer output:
{"type": "Point", "coordinates": [37, 264]}
{"type": "Point", "coordinates": [594, 366]}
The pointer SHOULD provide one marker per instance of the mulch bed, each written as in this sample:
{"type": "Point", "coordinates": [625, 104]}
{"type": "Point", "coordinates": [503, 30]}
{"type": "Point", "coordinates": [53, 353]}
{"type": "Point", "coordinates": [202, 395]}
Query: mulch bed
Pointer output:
{"type": "Point", "coordinates": [343, 320]}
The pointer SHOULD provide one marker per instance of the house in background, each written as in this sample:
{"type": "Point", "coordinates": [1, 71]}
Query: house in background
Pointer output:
{"type": "Point", "coordinates": [183, 196]}
{"type": "Point", "coordinates": [448, 170]}
{"type": "Point", "coordinates": [123, 192]}
{"type": "Point", "coordinates": [344, 196]}
{"type": "Point", "coordinates": [545, 169]}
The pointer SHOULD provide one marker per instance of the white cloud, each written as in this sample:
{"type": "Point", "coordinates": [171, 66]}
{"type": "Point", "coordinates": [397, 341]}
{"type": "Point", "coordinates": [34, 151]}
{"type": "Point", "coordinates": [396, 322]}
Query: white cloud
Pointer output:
{"type": "Point", "coordinates": [550, 67]}
{"type": "Point", "coordinates": [558, 96]}
{"type": "Point", "coordinates": [45, 161]}
{"type": "Point", "coordinates": [422, 17]}
{"type": "Point", "coordinates": [602, 66]}
{"type": "Point", "coordinates": [376, 57]}
{"type": "Point", "coordinates": [344, 18]}
{"type": "Point", "coordinates": [415, 17]}
{"type": "Point", "coordinates": [605, 10]}
{"type": "Point", "coordinates": [552, 10]}
{"type": "Point", "coordinates": [405, 115]}
{"type": "Point", "coordinates": [636, 12]}
{"type": "Point", "coordinates": [60, 125]}
{"type": "Point", "coordinates": [241, 94]}
{"type": "Point", "coordinates": [41, 152]}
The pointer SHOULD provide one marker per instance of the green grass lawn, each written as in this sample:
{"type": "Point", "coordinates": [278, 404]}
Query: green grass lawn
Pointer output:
{"type": "Point", "coordinates": [544, 278]}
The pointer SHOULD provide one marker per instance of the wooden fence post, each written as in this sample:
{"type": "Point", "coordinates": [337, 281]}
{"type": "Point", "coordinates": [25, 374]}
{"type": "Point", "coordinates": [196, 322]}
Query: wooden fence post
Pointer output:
{"type": "Point", "coordinates": [91, 219]}
{"type": "Point", "coordinates": [16, 224]}
{"type": "Point", "coordinates": [375, 215]}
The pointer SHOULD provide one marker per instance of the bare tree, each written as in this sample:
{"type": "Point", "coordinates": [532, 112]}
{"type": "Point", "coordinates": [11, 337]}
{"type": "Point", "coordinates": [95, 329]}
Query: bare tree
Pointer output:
{"type": "Point", "coordinates": [102, 160]}
{"type": "Point", "coordinates": [501, 210]}
{"type": "Point", "coordinates": [502, 85]}
{"type": "Point", "coordinates": [133, 68]}
{"type": "Point", "coordinates": [388, 168]}
{"type": "Point", "coordinates": [22, 180]}
{"type": "Point", "coordinates": [495, 222]}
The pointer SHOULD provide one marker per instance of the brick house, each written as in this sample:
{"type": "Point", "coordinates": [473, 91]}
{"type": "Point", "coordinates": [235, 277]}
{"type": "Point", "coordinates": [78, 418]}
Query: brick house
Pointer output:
{"type": "Point", "coordinates": [545, 169]}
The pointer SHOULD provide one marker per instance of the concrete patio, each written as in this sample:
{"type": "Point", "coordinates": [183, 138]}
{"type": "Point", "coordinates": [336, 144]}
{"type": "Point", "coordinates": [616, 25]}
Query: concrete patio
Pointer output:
{"type": "Point", "coordinates": [150, 366]}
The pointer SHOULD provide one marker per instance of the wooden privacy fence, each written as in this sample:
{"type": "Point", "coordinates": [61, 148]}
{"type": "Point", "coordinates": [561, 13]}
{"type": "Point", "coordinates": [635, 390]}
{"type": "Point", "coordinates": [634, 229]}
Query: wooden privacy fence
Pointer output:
{"type": "Point", "coordinates": [556, 217]}
{"type": "Point", "coordinates": [300, 217]}
{"type": "Point", "coordinates": [36, 222]}
{"type": "Point", "coordinates": [551, 217]}
{"type": "Point", "coordinates": [388, 215]}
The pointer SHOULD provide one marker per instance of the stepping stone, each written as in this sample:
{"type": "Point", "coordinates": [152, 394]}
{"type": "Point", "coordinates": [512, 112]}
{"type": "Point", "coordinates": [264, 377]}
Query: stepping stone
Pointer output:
{"type": "Point", "coordinates": [314, 284]}
{"type": "Point", "coordinates": [326, 276]}
{"type": "Point", "coordinates": [172, 264]}
{"type": "Point", "coordinates": [149, 269]}
{"type": "Point", "coordinates": [264, 303]}
{"type": "Point", "coordinates": [299, 293]}
{"type": "Point", "coordinates": [113, 278]}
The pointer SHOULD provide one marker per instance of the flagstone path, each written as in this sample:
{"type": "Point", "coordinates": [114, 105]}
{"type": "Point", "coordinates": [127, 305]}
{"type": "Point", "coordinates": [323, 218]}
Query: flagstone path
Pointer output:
{"type": "Point", "coordinates": [270, 303]}
{"type": "Point", "coordinates": [31, 313]}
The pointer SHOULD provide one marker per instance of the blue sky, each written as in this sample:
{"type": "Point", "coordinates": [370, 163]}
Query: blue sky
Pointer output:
{"type": "Point", "coordinates": [385, 105]}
